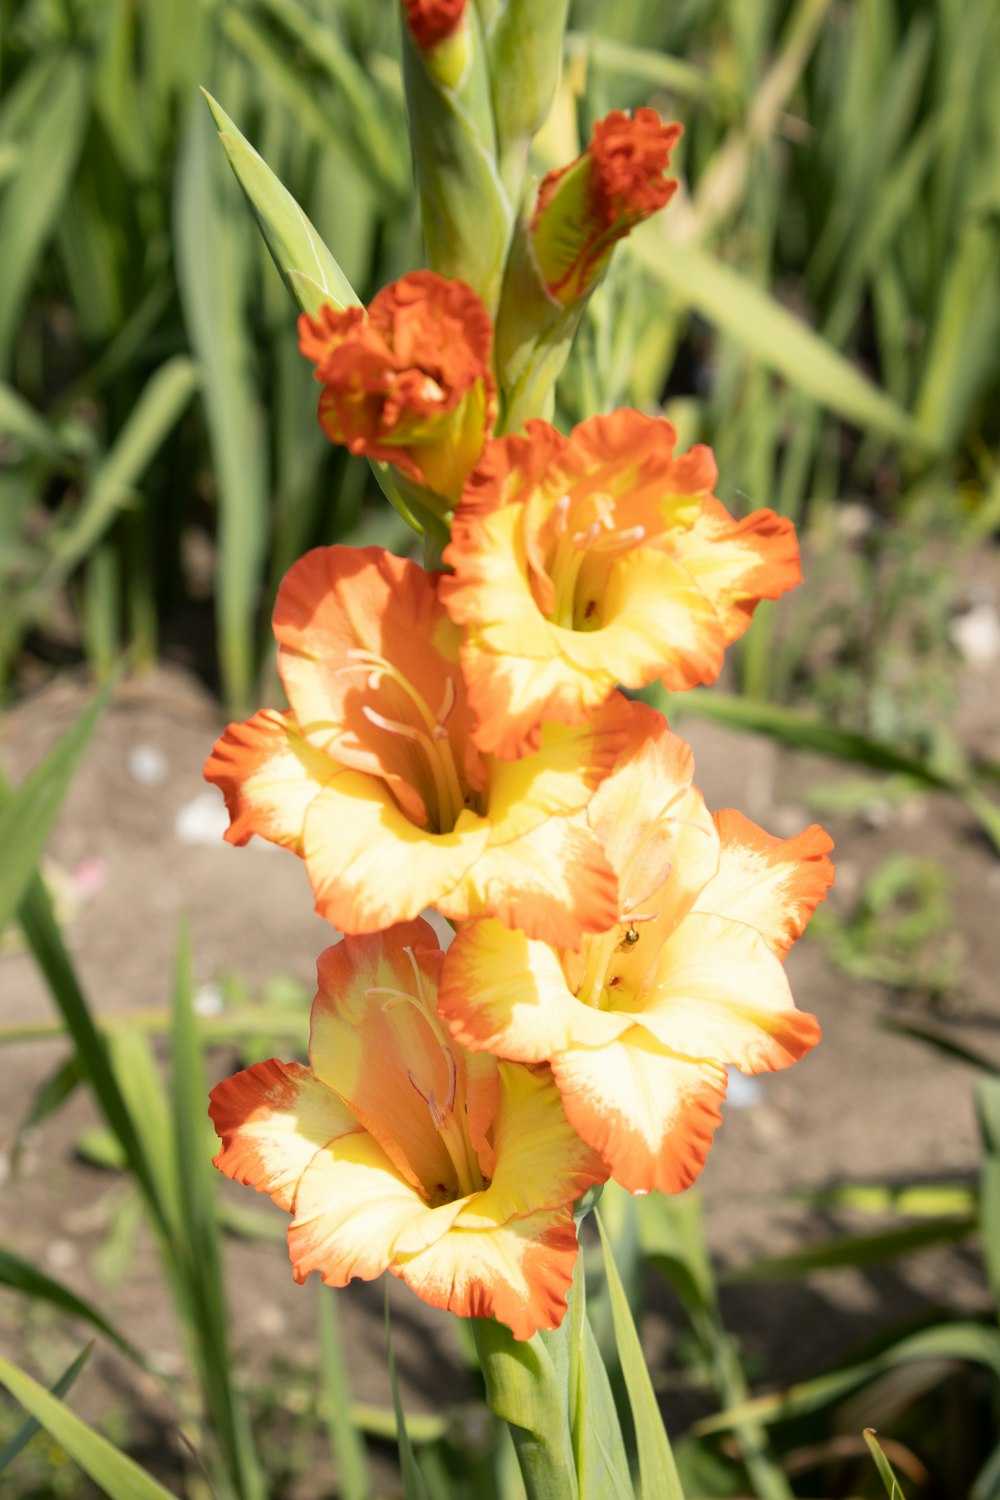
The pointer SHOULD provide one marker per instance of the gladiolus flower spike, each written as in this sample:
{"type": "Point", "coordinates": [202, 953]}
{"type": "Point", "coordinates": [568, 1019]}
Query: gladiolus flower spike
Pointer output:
{"type": "Point", "coordinates": [640, 1024]}
{"type": "Point", "coordinates": [398, 1150]}
{"type": "Point", "coordinates": [598, 559]}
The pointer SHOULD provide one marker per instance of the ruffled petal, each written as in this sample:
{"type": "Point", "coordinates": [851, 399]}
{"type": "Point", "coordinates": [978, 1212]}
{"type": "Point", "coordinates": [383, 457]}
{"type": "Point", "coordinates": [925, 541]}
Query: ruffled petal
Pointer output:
{"type": "Point", "coordinates": [519, 1272]}
{"type": "Point", "coordinates": [269, 776]}
{"type": "Point", "coordinates": [505, 994]}
{"type": "Point", "coordinates": [541, 1160]}
{"type": "Point", "coordinates": [658, 624]}
{"type": "Point", "coordinates": [272, 1119]}
{"type": "Point", "coordinates": [649, 1113]}
{"type": "Point", "coordinates": [361, 632]}
{"type": "Point", "coordinates": [720, 992]}
{"type": "Point", "coordinates": [653, 824]}
{"type": "Point", "coordinates": [772, 884]}
{"type": "Point", "coordinates": [738, 563]}
{"type": "Point", "coordinates": [554, 882]}
{"type": "Point", "coordinates": [560, 777]}
{"type": "Point", "coordinates": [370, 866]}
{"type": "Point", "coordinates": [352, 1208]}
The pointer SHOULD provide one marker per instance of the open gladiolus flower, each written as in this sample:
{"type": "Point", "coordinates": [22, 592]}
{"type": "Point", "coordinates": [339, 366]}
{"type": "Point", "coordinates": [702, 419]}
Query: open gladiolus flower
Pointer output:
{"type": "Point", "coordinates": [640, 1025]}
{"type": "Point", "coordinates": [598, 559]}
{"type": "Point", "coordinates": [584, 208]}
{"type": "Point", "coordinates": [373, 778]}
{"type": "Point", "coordinates": [431, 21]}
{"type": "Point", "coordinates": [408, 382]}
{"type": "Point", "coordinates": [397, 1150]}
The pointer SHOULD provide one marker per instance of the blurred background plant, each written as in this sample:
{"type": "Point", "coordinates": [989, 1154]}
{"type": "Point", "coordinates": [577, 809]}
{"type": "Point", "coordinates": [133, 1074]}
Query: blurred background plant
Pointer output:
{"type": "Point", "coordinates": [821, 304]}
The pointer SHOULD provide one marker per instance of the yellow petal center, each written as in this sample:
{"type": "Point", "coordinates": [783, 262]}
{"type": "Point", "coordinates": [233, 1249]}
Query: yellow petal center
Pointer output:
{"type": "Point", "coordinates": [444, 793]}
{"type": "Point", "coordinates": [585, 536]}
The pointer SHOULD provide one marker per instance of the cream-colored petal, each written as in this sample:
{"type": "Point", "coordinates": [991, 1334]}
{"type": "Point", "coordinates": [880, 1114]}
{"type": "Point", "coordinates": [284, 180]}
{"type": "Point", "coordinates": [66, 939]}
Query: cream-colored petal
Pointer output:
{"type": "Point", "coordinates": [554, 882]}
{"type": "Point", "coordinates": [720, 992]}
{"type": "Point", "coordinates": [370, 866]}
{"type": "Point", "coordinates": [269, 777]}
{"type": "Point", "coordinates": [507, 994]}
{"type": "Point", "coordinates": [774, 885]}
{"type": "Point", "coordinates": [518, 1272]}
{"type": "Point", "coordinates": [272, 1119]}
{"type": "Point", "coordinates": [650, 1113]}
{"type": "Point", "coordinates": [352, 1209]}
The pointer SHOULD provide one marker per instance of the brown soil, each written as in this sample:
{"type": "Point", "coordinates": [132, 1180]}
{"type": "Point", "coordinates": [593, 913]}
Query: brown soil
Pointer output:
{"type": "Point", "coordinates": [867, 1105]}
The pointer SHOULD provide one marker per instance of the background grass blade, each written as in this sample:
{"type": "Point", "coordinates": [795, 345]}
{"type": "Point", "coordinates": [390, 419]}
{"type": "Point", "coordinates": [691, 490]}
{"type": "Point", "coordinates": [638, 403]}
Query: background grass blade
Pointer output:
{"type": "Point", "coordinates": [888, 1478]}
{"type": "Point", "coordinates": [346, 1442]}
{"type": "Point", "coordinates": [199, 1239]}
{"type": "Point", "coordinates": [44, 939]}
{"type": "Point", "coordinates": [27, 815]}
{"type": "Point", "coordinates": [211, 266]}
{"type": "Point", "coordinates": [775, 336]}
{"type": "Point", "coordinates": [27, 1430]}
{"type": "Point", "coordinates": [112, 486]}
{"type": "Point", "coordinates": [856, 1250]}
{"type": "Point", "coordinates": [414, 1487]}
{"type": "Point", "coordinates": [658, 1477]}
{"type": "Point", "coordinates": [32, 200]}
{"type": "Point", "coordinates": [113, 1471]}
{"type": "Point", "coordinates": [803, 731]}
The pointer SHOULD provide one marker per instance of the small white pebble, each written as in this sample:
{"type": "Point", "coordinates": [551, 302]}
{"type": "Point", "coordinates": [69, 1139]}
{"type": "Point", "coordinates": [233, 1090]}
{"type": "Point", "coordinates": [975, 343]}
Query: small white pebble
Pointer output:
{"type": "Point", "coordinates": [208, 1000]}
{"type": "Point", "coordinates": [203, 820]}
{"type": "Point", "coordinates": [854, 520]}
{"type": "Point", "coordinates": [976, 634]}
{"type": "Point", "coordinates": [147, 765]}
{"type": "Point", "coordinates": [61, 1254]}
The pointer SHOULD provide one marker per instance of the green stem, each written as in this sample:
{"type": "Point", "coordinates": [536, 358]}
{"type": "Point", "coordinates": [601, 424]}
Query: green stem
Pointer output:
{"type": "Point", "coordinates": [526, 1386]}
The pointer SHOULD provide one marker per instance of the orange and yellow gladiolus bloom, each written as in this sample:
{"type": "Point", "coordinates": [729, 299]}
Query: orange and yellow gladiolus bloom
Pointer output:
{"type": "Point", "coordinates": [397, 1150]}
{"type": "Point", "coordinates": [600, 558]}
{"type": "Point", "coordinates": [584, 208]}
{"type": "Point", "coordinates": [372, 776]}
{"type": "Point", "coordinates": [408, 382]}
{"type": "Point", "coordinates": [640, 1025]}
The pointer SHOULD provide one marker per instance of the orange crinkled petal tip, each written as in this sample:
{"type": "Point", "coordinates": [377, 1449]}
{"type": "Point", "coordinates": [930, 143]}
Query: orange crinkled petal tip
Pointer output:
{"type": "Point", "coordinates": [584, 208]}
{"type": "Point", "coordinates": [399, 1150]}
{"type": "Point", "coordinates": [630, 156]}
{"type": "Point", "coordinates": [408, 382]}
{"type": "Point", "coordinates": [599, 559]}
{"type": "Point", "coordinates": [641, 1023]}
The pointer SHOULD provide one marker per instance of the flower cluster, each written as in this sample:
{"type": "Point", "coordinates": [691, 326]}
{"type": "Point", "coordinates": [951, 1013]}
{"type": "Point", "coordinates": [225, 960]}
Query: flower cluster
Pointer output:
{"type": "Point", "coordinates": [460, 740]}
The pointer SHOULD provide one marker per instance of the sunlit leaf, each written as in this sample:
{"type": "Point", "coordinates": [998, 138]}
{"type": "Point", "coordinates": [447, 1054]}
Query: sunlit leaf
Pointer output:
{"type": "Point", "coordinates": [113, 1471]}
{"type": "Point", "coordinates": [658, 1477]}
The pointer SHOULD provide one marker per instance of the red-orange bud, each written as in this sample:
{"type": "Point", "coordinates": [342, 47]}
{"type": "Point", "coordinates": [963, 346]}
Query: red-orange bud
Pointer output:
{"type": "Point", "coordinates": [585, 207]}
{"type": "Point", "coordinates": [408, 382]}
{"type": "Point", "coordinates": [431, 21]}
